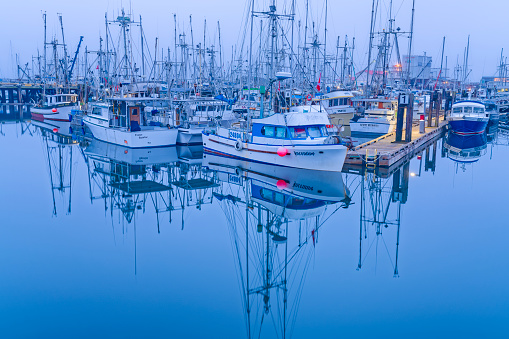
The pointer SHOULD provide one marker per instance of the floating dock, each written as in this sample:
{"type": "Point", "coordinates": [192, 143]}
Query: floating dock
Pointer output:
{"type": "Point", "coordinates": [386, 152]}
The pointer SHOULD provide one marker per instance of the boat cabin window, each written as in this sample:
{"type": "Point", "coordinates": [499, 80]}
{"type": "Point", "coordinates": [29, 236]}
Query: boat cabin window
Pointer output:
{"type": "Point", "coordinates": [281, 132]}
{"type": "Point", "coordinates": [456, 110]}
{"type": "Point", "coordinates": [269, 131]}
{"type": "Point", "coordinates": [298, 132]}
{"type": "Point", "coordinates": [478, 110]}
{"type": "Point", "coordinates": [467, 109]}
{"type": "Point", "coordinates": [314, 132]}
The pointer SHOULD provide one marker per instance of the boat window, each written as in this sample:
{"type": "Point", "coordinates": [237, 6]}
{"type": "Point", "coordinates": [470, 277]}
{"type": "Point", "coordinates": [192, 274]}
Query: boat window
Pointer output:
{"type": "Point", "coordinates": [298, 132]}
{"type": "Point", "coordinates": [456, 110]}
{"type": "Point", "coordinates": [268, 131]}
{"type": "Point", "coordinates": [324, 131]}
{"type": "Point", "coordinates": [314, 132]}
{"type": "Point", "coordinates": [279, 198]}
{"type": "Point", "coordinates": [281, 132]}
{"type": "Point", "coordinates": [336, 102]}
{"type": "Point", "coordinates": [96, 110]}
{"type": "Point", "coordinates": [467, 109]}
{"type": "Point", "coordinates": [478, 110]}
{"type": "Point", "coordinates": [331, 103]}
{"type": "Point", "coordinates": [266, 194]}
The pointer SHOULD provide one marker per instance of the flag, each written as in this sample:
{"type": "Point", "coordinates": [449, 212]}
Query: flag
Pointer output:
{"type": "Point", "coordinates": [319, 81]}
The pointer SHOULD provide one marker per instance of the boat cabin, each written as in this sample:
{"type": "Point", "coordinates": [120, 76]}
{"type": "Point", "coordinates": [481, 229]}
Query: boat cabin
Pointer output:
{"type": "Point", "coordinates": [469, 109]}
{"type": "Point", "coordinates": [376, 106]}
{"type": "Point", "coordinates": [290, 126]}
{"type": "Point", "coordinates": [56, 100]}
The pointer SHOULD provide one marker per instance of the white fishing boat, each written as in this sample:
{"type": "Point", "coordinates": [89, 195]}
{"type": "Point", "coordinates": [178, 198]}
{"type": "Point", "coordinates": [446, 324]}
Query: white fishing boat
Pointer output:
{"type": "Point", "coordinates": [55, 107]}
{"type": "Point", "coordinates": [378, 117]}
{"type": "Point", "coordinates": [199, 113]}
{"type": "Point", "coordinates": [338, 105]}
{"type": "Point", "coordinates": [124, 121]}
{"type": "Point", "coordinates": [292, 139]}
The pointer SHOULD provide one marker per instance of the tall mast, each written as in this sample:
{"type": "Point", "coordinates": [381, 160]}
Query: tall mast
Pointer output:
{"type": "Point", "coordinates": [370, 44]}
{"type": "Point", "coordinates": [45, 43]}
{"type": "Point", "coordinates": [193, 48]}
{"type": "Point", "coordinates": [142, 50]}
{"type": "Point", "coordinates": [107, 45]}
{"type": "Point", "coordinates": [305, 40]}
{"type": "Point", "coordinates": [325, 42]}
{"type": "Point", "coordinates": [466, 60]}
{"type": "Point", "coordinates": [175, 48]}
{"type": "Point", "coordinates": [65, 50]}
{"type": "Point", "coordinates": [410, 43]}
{"type": "Point", "coordinates": [251, 47]}
{"type": "Point", "coordinates": [220, 50]}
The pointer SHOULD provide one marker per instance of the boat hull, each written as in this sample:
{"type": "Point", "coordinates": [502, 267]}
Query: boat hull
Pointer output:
{"type": "Point", "coordinates": [190, 136]}
{"type": "Point", "coordinates": [465, 126]}
{"type": "Point", "coordinates": [156, 137]}
{"type": "Point", "coordinates": [370, 127]}
{"type": "Point", "coordinates": [62, 113]}
{"type": "Point", "coordinates": [314, 157]}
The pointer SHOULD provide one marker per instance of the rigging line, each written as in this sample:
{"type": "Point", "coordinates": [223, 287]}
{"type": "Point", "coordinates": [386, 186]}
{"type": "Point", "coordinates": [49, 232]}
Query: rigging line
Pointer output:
{"type": "Point", "coordinates": [388, 254]}
{"type": "Point", "coordinates": [295, 306]}
{"type": "Point", "coordinates": [367, 252]}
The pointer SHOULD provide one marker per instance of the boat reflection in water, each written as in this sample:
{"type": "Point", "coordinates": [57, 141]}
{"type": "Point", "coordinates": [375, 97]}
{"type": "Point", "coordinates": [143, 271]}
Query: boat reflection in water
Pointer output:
{"type": "Point", "coordinates": [465, 149]}
{"type": "Point", "coordinates": [128, 179]}
{"type": "Point", "coordinates": [274, 216]}
{"type": "Point", "coordinates": [59, 147]}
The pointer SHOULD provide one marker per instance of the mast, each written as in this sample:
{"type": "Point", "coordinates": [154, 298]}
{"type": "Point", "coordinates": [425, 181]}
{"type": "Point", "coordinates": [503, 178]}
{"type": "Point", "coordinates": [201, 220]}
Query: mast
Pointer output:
{"type": "Point", "coordinates": [65, 50]}
{"type": "Point", "coordinates": [193, 48]}
{"type": "Point", "coordinates": [325, 42]}
{"type": "Point", "coordinates": [175, 48]}
{"type": "Point", "coordinates": [370, 45]}
{"type": "Point", "coordinates": [466, 60]}
{"type": "Point", "coordinates": [410, 43]}
{"type": "Point", "coordinates": [220, 50]}
{"type": "Point", "coordinates": [249, 80]}
{"type": "Point", "coordinates": [45, 43]}
{"type": "Point", "coordinates": [142, 50]}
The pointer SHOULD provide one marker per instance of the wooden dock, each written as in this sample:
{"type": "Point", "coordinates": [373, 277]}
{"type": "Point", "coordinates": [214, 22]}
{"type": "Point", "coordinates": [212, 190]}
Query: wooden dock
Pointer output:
{"type": "Point", "coordinates": [385, 152]}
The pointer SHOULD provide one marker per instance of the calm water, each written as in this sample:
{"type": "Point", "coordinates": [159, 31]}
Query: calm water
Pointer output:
{"type": "Point", "coordinates": [101, 241]}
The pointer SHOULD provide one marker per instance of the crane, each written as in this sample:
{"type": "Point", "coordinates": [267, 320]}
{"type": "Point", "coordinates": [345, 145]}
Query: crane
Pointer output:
{"type": "Point", "coordinates": [75, 57]}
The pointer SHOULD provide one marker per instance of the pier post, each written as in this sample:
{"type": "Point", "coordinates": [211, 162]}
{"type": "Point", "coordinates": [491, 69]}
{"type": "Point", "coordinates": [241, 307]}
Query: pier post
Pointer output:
{"type": "Point", "coordinates": [409, 118]}
{"type": "Point", "coordinates": [438, 105]}
{"type": "Point", "coordinates": [430, 111]}
{"type": "Point", "coordinates": [403, 101]}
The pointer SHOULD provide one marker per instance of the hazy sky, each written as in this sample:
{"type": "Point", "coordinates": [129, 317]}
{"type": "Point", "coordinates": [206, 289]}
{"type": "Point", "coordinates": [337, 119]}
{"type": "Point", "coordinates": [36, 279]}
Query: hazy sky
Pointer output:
{"type": "Point", "coordinates": [485, 21]}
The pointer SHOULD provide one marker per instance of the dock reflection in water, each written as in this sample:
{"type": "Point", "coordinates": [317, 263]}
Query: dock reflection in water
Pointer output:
{"type": "Point", "coordinates": [313, 252]}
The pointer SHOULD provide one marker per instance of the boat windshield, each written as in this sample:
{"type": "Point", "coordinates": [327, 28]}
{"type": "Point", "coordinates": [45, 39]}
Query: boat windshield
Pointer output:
{"type": "Point", "coordinates": [479, 110]}
{"type": "Point", "coordinates": [314, 132]}
{"type": "Point", "coordinates": [467, 109]}
{"type": "Point", "coordinates": [298, 132]}
{"type": "Point", "coordinates": [456, 110]}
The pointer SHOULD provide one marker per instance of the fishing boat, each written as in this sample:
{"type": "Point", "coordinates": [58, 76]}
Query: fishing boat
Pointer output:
{"type": "Point", "coordinates": [492, 109]}
{"type": "Point", "coordinates": [124, 121]}
{"type": "Point", "coordinates": [377, 117]}
{"type": "Point", "coordinates": [338, 105]}
{"type": "Point", "coordinates": [468, 117]}
{"type": "Point", "coordinates": [290, 139]}
{"type": "Point", "coordinates": [55, 107]}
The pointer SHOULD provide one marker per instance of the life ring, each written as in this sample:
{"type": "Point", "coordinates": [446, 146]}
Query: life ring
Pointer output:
{"type": "Point", "coordinates": [308, 97]}
{"type": "Point", "coordinates": [238, 145]}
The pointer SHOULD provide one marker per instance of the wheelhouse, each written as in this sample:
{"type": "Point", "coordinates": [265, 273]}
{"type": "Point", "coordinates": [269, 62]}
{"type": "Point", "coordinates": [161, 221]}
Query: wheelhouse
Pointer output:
{"type": "Point", "coordinates": [60, 99]}
{"type": "Point", "coordinates": [468, 108]}
{"type": "Point", "coordinates": [290, 132]}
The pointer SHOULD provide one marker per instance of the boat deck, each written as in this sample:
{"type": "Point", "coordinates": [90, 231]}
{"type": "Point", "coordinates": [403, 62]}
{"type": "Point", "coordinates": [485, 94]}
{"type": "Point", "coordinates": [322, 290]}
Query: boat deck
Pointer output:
{"type": "Point", "coordinates": [386, 152]}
